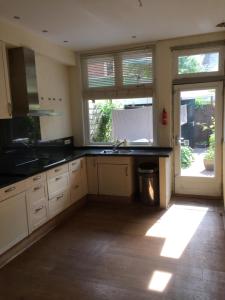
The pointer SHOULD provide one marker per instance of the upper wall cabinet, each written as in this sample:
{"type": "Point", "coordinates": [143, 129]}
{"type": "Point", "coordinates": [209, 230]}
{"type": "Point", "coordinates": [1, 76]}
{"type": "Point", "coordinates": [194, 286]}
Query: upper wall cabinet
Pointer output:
{"type": "Point", "coordinates": [5, 97]}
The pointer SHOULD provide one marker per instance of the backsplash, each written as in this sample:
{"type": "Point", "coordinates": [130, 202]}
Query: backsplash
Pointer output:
{"type": "Point", "coordinates": [19, 128]}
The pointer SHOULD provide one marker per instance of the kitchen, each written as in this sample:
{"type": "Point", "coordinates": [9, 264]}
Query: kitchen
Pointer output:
{"type": "Point", "coordinates": [68, 189]}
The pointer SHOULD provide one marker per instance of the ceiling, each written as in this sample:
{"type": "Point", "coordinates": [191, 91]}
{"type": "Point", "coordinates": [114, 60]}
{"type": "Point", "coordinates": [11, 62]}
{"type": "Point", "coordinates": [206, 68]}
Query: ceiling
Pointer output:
{"type": "Point", "coordinates": [89, 24]}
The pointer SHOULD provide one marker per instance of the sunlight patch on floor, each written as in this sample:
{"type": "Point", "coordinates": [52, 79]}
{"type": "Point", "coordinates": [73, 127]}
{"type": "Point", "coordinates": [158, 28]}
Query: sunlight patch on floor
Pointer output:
{"type": "Point", "coordinates": [177, 226]}
{"type": "Point", "coordinates": [159, 281]}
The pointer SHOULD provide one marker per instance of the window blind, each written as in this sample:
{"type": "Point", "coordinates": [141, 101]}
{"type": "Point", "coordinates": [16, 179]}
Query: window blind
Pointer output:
{"type": "Point", "coordinates": [119, 74]}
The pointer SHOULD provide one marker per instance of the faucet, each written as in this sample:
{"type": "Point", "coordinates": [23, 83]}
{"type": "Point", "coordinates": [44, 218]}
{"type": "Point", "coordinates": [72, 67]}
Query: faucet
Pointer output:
{"type": "Point", "coordinates": [117, 144]}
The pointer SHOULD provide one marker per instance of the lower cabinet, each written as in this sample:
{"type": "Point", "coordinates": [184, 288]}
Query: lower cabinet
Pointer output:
{"type": "Point", "coordinates": [92, 175]}
{"type": "Point", "coordinates": [13, 221]}
{"type": "Point", "coordinates": [115, 179]}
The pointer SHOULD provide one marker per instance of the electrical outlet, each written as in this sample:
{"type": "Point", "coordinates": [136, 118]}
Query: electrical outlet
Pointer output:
{"type": "Point", "coordinates": [67, 142]}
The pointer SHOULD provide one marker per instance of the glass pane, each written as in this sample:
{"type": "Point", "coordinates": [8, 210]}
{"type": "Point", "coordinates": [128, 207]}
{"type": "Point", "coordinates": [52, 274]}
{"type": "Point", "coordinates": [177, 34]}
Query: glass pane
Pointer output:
{"type": "Point", "coordinates": [137, 68]}
{"type": "Point", "coordinates": [101, 72]}
{"type": "Point", "coordinates": [197, 127]}
{"type": "Point", "coordinates": [198, 63]}
{"type": "Point", "coordinates": [114, 119]}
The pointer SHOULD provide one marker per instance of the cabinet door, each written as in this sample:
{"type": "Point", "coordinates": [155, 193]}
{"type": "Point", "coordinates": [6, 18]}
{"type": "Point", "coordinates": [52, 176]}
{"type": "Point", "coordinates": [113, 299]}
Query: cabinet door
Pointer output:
{"type": "Point", "coordinates": [13, 221]}
{"type": "Point", "coordinates": [58, 203]}
{"type": "Point", "coordinates": [114, 180]}
{"type": "Point", "coordinates": [5, 97]}
{"type": "Point", "coordinates": [92, 175]}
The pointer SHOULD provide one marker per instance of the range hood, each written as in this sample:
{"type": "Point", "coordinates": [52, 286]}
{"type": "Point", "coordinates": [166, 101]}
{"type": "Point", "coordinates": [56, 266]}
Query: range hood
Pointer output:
{"type": "Point", "coordinates": [23, 83]}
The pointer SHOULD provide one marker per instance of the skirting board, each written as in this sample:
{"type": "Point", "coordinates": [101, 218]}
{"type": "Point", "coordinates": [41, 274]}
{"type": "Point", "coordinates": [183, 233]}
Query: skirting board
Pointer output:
{"type": "Point", "coordinates": [39, 233]}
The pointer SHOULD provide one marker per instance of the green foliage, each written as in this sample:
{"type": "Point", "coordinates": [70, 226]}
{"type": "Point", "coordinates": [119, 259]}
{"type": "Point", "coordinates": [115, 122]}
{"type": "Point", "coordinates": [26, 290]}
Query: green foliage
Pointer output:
{"type": "Point", "coordinates": [104, 130]}
{"type": "Point", "coordinates": [210, 154]}
{"type": "Point", "coordinates": [187, 156]}
{"type": "Point", "coordinates": [188, 64]}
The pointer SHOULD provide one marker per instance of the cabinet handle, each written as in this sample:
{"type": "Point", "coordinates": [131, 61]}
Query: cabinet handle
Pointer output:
{"type": "Point", "coordinates": [38, 209]}
{"type": "Point", "coordinates": [76, 187]}
{"type": "Point", "coordinates": [37, 188]}
{"type": "Point", "coordinates": [74, 163]}
{"type": "Point", "coordinates": [10, 108]}
{"type": "Point", "coordinates": [126, 171]}
{"type": "Point", "coordinates": [59, 197]}
{"type": "Point", "coordinates": [58, 178]}
{"type": "Point", "coordinates": [37, 178]}
{"type": "Point", "coordinates": [57, 170]}
{"type": "Point", "coordinates": [10, 189]}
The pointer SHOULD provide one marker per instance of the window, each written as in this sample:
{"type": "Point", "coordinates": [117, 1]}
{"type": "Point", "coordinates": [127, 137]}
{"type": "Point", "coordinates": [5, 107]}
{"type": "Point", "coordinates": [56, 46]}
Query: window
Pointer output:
{"type": "Point", "coordinates": [198, 62]}
{"type": "Point", "coordinates": [109, 120]}
{"type": "Point", "coordinates": [118, 94]}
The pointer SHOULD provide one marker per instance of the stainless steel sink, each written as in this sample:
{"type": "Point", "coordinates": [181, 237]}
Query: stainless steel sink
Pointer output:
{"type": "Point", "coordinates": [116, 151]}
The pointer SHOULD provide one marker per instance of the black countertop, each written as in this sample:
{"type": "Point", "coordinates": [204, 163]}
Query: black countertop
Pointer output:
{"type": "Point", "coordinates": [16, 165]}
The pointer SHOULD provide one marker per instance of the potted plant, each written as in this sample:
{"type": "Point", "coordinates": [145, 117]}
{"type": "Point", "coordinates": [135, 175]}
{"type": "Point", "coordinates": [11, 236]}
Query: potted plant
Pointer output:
{"type": "Point", "coordinates": [210, 154]}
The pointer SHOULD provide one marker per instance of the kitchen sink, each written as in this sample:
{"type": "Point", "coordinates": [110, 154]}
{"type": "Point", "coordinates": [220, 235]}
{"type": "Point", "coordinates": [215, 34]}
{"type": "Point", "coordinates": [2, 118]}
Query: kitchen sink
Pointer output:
{"type": "Point", "coordinates": [116, 151]}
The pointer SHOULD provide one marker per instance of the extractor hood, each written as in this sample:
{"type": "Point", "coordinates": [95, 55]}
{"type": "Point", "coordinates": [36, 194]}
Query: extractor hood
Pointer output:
{"type": "Point", "coordinates": [23, 83]}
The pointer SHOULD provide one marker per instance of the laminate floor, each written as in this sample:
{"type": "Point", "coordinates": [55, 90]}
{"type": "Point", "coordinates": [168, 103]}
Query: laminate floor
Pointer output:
{"type": "Point", "coordinates": [130, 252]}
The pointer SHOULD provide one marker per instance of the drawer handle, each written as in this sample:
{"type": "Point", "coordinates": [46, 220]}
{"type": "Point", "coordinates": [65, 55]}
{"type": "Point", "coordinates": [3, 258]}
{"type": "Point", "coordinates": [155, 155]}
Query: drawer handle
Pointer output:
{"type": "Point", "coordinates": [57, 170]}
{"type": "Point", "coordinates": [10, 189]}
{"type": "Point", "coordinates": [37, 188]}
{"type": "Point", "coordinates": [74, 163]}
{"type": "Point", "coordinates": [38, 209]}
{"type": "Point", "coordinates": [59, 197]}
{"type": "Point", "coordinates": [58, 178]}
{"type": "Point", "coordinates": [37, 178]}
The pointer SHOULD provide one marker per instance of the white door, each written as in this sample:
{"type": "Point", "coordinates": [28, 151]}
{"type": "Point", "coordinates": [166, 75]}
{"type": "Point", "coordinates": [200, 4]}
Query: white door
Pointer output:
{"type": "Point", "coordinates": [198, 139]}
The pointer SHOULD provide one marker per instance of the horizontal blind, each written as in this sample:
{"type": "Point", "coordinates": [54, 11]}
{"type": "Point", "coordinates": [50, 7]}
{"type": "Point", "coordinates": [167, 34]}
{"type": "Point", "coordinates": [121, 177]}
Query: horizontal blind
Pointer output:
{"type": "Point", "coordinates": [137, 68]}
{"type": "Point", "coordinates": [115, 75]}
{"type": "Point", "coordinates": [100, 72]}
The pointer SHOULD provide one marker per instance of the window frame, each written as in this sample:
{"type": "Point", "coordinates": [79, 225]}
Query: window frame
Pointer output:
{"type": "Point", "coordinates": [196, 51]}
{"type": "Point", "coordinates": [87, 139]}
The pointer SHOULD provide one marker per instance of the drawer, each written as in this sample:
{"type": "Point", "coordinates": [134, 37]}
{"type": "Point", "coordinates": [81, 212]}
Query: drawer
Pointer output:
{"type": "Point", "coordinates": [38, 214]}
{"type": "Point", "coordinates": [75, 165]}
{"type": "Point", "coordinates": [13, 189]}
{"type": "Point", "coordinates": [58, 203]}
{"type": "Point", "coordinates": [37, 192]}
{"type": "Point", "coordinates": [58, 184]}
{"type": "Point", "coordinates": [36, 179]}
{"type": "Point", "coordinates": [57, 171]}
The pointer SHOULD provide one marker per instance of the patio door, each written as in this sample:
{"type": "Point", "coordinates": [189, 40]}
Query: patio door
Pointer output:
{"type": "Point", "coordinates": [198, 114]}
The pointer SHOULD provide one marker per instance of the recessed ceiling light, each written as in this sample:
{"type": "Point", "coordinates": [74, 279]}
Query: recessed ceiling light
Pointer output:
{"type": "Point", "coordinates": [44, 31]}
{"type": "Point", "coordinates": [16, 17]}
{"type": "Point", "coordinates": [65, 41]}
{"type": "Point", "coordinates": [221, 25]}
{"type": "Point", "coordinates": [133, 36]}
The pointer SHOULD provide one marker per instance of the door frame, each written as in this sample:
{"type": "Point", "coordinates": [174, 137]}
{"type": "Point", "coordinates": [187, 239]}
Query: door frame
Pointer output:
{"type": "Point", "coordinates": [199, 186]}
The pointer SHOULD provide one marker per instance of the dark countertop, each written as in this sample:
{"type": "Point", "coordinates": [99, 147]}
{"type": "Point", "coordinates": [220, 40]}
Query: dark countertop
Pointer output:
{"type": "Point", "coordinates": [17, 165]}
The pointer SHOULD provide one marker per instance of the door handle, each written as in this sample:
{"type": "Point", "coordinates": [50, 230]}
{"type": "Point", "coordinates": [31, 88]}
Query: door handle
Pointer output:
{"type": "Point", "coordinates": [178, 140]}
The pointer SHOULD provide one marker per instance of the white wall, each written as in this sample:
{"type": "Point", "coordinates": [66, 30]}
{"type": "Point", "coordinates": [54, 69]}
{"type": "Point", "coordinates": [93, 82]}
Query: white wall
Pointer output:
{"type": "Point", "coordinates": [53, 83]}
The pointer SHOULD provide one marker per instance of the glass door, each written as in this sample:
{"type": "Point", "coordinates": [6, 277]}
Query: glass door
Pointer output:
{"type": "Point", "coordinates": [198, 139]}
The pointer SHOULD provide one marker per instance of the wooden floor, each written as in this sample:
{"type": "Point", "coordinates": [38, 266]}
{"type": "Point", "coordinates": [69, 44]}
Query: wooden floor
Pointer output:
{"type": "Point", "coordinates": [125, 252]}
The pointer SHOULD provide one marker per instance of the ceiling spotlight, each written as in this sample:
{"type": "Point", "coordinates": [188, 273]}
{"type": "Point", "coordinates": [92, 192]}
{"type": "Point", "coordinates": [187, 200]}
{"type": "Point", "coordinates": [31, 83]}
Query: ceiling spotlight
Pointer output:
{"type": "Point", "coordinates": [221, 25]}
{"type": "Point", "coordinates": [65, 41]}
{"type": "Point", "coordinates": [16, 17]}
{"type": "Point", "coordinates": [44, 31]}
{"type": "Point", "coordinates": [133, 36]}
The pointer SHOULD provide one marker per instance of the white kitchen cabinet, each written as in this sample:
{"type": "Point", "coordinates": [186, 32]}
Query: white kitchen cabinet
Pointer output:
{"type": "Point", "coordinates": [115, 176]}
{"type": "Point", "coordinates": [5, 96]}
{"type": "Point", "coordinates": [78, 179]}
{"type": "Point", "coordinates": [92, 174]}
{"type": "Point", "coordinates": [13, 221]}
{"type": "Point", "coordinates": [37, 205]}
{"type": "Point", "coordinates": [58, 184]}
